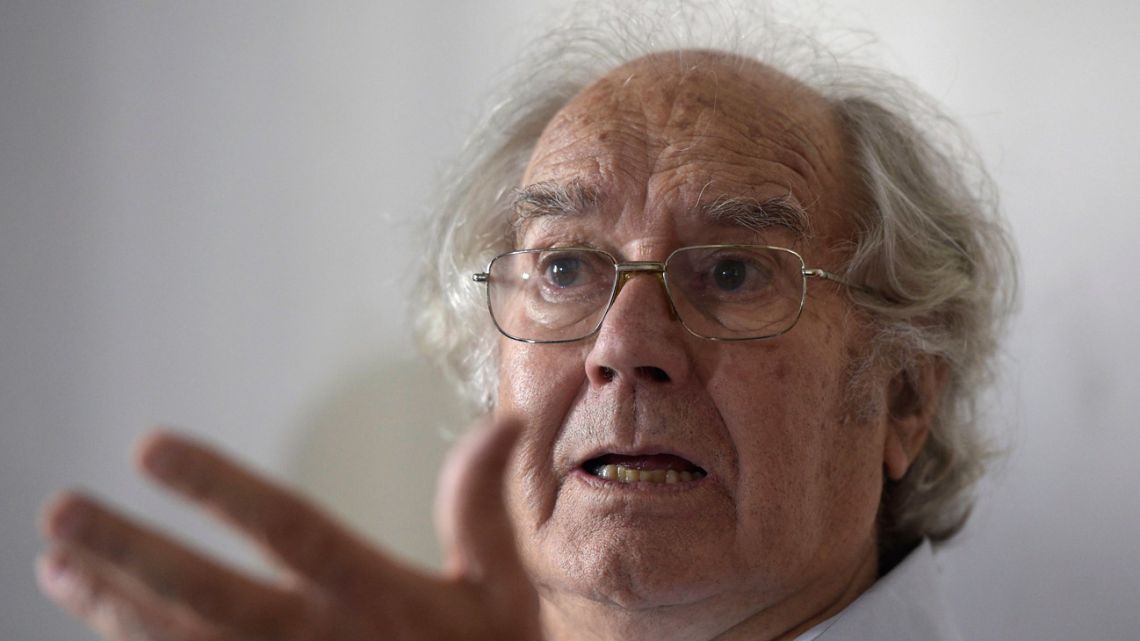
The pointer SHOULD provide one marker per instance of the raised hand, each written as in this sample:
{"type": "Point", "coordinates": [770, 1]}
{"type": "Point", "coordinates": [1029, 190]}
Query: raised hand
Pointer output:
{"type": "Point", "coordinates": [129, 582]}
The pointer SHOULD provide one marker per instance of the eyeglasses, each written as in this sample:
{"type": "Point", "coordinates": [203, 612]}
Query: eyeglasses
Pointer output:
{"type": "Point", "coordinates": [717, 292]}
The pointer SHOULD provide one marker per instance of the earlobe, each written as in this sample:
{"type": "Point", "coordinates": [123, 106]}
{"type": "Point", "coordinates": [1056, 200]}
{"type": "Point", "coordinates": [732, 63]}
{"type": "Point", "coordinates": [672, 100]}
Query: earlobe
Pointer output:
{"type": "Point", "coordinates": [913, 399]}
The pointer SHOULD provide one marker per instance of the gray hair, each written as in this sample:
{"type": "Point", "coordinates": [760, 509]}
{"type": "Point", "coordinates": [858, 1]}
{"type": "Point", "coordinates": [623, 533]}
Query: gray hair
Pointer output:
{"type": "Point", "coordinates": [931, 241]}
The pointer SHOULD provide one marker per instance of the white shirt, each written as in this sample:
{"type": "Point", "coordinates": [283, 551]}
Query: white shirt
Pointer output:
{"type": "Point", "coordinates": [905, 605]}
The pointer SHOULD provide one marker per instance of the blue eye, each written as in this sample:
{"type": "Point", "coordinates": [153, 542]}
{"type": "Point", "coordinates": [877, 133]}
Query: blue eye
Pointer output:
{"type": "Point", "coordinates": [564, 271]}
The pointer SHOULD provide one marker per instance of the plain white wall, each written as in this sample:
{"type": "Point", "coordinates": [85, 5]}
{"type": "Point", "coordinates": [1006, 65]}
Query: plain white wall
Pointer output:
{"type": "Point", "coordinates": [206, 214]}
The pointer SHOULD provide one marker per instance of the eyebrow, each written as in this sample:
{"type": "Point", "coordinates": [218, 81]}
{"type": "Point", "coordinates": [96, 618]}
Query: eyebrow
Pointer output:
{"type": "Point", "coordinates": [758, 215]}
{"type": "Point", "coordinates": [575, 198]}
{"type": "Point", "coordinates": [552, 199]}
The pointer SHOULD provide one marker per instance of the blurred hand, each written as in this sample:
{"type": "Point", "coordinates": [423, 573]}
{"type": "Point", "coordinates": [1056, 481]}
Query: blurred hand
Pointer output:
{"type": "Point", "coordinates": [129, 582]}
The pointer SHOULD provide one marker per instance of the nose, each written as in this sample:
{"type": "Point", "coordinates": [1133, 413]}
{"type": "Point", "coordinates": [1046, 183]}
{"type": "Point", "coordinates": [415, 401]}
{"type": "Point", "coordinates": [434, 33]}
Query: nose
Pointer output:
{"type": "Point", "coordinates": [640, 340]}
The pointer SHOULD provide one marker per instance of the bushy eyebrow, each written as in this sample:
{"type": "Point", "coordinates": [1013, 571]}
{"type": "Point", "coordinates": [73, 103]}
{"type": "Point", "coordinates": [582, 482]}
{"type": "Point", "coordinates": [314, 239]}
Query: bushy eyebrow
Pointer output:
{"type": "Point", "coordinates": [758, 215]}
{"type": "Point", "coordinates": [575, 198]}
{"type": "Point", "coordinates": [552, 199]}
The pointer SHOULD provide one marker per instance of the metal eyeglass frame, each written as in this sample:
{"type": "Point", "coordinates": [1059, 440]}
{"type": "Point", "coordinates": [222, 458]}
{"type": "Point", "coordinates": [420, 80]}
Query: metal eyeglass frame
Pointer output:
{"type": "Point", "coordinates": [625, 271]}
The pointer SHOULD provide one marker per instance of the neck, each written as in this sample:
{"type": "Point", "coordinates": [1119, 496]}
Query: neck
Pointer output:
{"type": "Point", "coordinates": [731, 617]}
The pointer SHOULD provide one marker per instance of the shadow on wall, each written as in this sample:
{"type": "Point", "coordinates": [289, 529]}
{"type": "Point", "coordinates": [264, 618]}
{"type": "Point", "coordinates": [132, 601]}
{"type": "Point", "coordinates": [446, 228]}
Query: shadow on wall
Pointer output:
{"type": "Point", "coordinates": [371, 450]}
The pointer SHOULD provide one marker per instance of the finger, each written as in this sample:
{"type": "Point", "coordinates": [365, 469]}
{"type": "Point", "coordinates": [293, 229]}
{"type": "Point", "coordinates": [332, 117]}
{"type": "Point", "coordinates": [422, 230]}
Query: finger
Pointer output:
{"type": "Point", "coordinates": [108, 605]}
{"type": "Point", "coordinates": [288, 528]}
{"type": "Point", "coordinates": [471, 511]}
{"type": "Point", "coordinates": [167, 571]}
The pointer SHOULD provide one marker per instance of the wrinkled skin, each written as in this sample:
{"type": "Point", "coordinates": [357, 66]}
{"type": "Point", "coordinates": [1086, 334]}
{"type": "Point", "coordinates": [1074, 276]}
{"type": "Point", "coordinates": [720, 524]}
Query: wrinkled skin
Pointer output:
{"type": "Point", "coordinates": [778, 535]}
{"type": "Point", "coordinates": [782, 531]}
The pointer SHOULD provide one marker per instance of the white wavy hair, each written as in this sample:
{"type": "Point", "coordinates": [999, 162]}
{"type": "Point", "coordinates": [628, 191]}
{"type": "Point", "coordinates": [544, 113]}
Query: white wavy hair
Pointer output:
{"type": "Point", "coordinates": [932, 241]}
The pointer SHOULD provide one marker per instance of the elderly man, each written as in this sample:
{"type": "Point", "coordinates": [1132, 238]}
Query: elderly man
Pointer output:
{"type": "Point", "coordinates": [740, 321]}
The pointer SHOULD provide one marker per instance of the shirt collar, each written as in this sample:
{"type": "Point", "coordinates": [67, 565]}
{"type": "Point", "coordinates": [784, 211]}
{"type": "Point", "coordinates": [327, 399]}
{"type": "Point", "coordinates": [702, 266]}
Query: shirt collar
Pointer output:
{"type": "Point", "coordinates": [905, 604]}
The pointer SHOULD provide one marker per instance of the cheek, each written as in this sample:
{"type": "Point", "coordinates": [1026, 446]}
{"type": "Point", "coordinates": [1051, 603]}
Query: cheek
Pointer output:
{"type": "Point", "coordinates": [776, 415]}
{"type": "Point", "coordinates": [804, 470]}
{"type": "Point", "coordinates": [537, 385]}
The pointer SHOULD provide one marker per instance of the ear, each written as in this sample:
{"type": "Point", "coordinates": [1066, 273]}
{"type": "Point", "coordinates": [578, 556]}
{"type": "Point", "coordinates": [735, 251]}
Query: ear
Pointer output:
{"type": "Point", "coordinates": [913, 397]}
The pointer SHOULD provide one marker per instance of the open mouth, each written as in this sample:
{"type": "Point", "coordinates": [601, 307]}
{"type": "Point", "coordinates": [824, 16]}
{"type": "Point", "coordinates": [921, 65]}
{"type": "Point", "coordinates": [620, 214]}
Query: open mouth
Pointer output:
{"type": "Point", "coordinates": [651, 468]}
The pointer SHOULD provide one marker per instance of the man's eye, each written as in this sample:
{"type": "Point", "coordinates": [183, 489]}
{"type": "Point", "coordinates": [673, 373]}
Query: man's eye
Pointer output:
{"type": "Point", "coordinates": [729, 274]}
{"type": "Point", "coordinates": [563, 272]}
{"type": "Point", "coordinates": [739, 276]}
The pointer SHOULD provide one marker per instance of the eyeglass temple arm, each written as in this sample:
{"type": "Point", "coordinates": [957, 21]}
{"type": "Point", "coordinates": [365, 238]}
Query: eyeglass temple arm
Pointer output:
{"type": "Point", "coordinates": [812, 272]}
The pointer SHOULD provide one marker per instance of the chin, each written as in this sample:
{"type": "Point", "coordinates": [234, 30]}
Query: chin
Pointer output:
{"type": "Point", "coordinates": [635, 567]}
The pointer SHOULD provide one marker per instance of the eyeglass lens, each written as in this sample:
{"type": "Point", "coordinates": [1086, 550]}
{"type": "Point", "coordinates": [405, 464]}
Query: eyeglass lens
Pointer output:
{"type": "Point", "coordinates": [727, 291]}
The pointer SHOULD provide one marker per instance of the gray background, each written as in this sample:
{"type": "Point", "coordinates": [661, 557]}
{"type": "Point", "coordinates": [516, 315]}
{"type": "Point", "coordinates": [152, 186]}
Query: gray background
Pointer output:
{"type": "Point", "coordinates": [206, 214]}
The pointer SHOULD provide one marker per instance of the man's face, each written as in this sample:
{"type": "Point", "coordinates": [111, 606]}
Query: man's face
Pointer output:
{"type": "Point", "coordinates": [786, 480]}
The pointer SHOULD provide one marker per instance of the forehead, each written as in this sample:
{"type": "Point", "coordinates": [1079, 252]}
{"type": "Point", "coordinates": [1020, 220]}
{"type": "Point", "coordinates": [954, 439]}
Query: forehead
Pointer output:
{"type": "Point", "coordinates": [670, 132]}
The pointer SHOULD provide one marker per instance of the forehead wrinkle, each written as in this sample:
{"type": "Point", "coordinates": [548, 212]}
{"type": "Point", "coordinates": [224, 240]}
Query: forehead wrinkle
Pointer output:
{"type": "Point", "coordinates": [731, 129]}
{"type": "Point", "coordinates": [801, 151]}
{"type": "Point", "coordinates": [656, 129]}
{"type": "Point", "coordinates": [601, 137]}
{"type": "Point", "coordinates": [752, 174]}
{"type": "Point", "coordinates": [769, 136]}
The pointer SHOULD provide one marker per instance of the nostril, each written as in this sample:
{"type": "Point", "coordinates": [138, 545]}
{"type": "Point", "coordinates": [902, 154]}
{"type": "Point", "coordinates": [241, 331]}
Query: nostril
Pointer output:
{"type": "Point", "coordinates": [654, 373]}
{"type": "Point", "coordinates": [607, 374]}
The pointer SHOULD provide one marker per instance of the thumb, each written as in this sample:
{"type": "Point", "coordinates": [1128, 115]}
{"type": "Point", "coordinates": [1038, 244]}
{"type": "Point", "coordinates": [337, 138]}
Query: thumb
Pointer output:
{"type": "Point", "coordinates": [471, 513]}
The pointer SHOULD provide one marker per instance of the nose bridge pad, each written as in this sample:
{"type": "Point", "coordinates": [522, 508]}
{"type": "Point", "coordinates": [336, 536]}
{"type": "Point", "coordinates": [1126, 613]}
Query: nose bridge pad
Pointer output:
{"type": "Point", "coordinates": [624, 277]}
